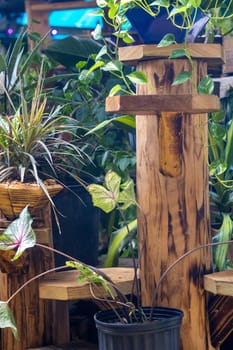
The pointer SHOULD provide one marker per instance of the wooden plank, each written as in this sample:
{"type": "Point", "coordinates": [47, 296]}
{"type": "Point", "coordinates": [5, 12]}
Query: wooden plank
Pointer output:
{"type": "Point", "coordinates": [64, 285]}
{"type": "Point", "coordinates": [151, 104]}
{"type": "Point", "coordinates": [227, 54]}
{"type": "Point", "coordinates": [47, 7]}
{"type": "Point", "coordinates": [209, 52]}
{"type": "Point", "coordinates": [220, 283]}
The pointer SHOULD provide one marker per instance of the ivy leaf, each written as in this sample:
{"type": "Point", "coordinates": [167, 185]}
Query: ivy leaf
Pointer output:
{"type": "Point", "coordinates": [95, 66]}
{"type": "Point", "coordinates": [217, 168]}
{"type": "Point", "coordinates": [137, 77]}
{"type": "Point", "coordinates": [7, 319]}
{"type": "Point", "coordinates": [178, 53]}
{"type": "Point", "coordinates": [115, 89]}
{"type": "Point", "coordinates": [167, 40]}
{"type": "Point", "coordinates": [206, 86]}
{"type": "Point", "coordinates": [113, 66]}
{"type": "Point", "coordinates": [19, 234]}
{"type": "Point", "coordinates": [182, 78]}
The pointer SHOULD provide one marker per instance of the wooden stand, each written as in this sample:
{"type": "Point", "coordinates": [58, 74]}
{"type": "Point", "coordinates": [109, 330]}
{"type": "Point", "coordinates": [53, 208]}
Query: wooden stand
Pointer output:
{"type": "Point", "coordinates": [34, 317]}
{"type": "Point", "coordinates": [38, 12]}
{"type": "Point", "coordinates": [172, 179]}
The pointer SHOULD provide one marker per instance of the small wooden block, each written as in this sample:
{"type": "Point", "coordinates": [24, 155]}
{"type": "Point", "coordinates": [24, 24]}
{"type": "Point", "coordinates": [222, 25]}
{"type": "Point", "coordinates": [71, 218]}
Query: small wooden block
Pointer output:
{"type": "Point", "coordinates": [220, 283]}
{"type": "Point", "coordinates": [64, 285]}
{"type": "Point", "coordinates": [151, 104]}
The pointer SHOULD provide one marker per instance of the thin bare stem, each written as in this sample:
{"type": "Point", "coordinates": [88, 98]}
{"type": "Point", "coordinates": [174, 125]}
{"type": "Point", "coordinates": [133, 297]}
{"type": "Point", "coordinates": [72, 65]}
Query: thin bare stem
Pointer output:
{"type": "Point", "coordinates": [177, 262]}
{"type": "Point", "coordinates": [35, 278]}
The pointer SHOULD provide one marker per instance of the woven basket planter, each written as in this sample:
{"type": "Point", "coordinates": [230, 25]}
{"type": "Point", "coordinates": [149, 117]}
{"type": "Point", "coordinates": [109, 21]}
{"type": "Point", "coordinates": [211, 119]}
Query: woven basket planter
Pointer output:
{"type": "Point", "coordinates": [15, 196]}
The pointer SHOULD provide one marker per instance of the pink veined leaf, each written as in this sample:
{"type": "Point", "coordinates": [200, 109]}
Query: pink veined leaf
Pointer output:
{"type": "Point", "coordinates": [19, 234]}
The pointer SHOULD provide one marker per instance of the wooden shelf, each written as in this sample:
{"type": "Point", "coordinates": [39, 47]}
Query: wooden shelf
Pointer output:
{"type": "Point", "coordinates": [209, 52]}
{"type": "Point", "coordinates": [52, 6]}
{"type": "Point", "coordinates": [64, 285]}
{"type": "Point", "coordinates": [220, 283]}
{"type": "Point", "coordinates": [38, 13]}
{"type": "Point", "coordinates": [151, 104]}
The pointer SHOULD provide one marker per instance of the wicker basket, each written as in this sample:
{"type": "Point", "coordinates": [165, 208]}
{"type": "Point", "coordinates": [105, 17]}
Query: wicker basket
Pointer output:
{"type": "Point", "coordinates": [15, 196]}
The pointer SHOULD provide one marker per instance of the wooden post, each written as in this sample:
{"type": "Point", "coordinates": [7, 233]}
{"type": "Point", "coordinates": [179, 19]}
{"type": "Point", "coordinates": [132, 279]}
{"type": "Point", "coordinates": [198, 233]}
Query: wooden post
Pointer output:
{"type": "Point", "coordinates": [172, 179]}
{"type": "Point", "coordinates": [34, 317]}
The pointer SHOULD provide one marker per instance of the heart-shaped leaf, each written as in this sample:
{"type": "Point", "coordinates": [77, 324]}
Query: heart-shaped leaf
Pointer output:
{"type": "Point", "coordinates": [19, 234]}
{"type": "Point", "coordinates": [7, 318]}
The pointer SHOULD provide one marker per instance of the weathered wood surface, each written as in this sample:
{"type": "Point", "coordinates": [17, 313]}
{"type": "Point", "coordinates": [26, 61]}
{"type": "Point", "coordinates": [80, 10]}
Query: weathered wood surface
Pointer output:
{"type": "Point", "coordinates": [211, 52]}
{"type": "Point", "coordinates": [34, 317]}
{"type": "Point", "coordinates": [220, 283]}
{"type": "Point", "coordinates": [64, 285]}
{"type": "Point", "coordinates": [220, 319]}
{"type": "Point", "coordinates": [172, 187]}
{"type": "Point", "coordinates": [150, 104]}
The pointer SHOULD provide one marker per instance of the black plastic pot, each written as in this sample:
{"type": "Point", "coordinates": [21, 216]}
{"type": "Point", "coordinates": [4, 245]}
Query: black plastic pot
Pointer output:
{"type": "Point", "coordinates": [163, 333]}
{"type": "Point", "coordinates": [79, 225]}
{"type": "Point", "coordinates": [152, 29]}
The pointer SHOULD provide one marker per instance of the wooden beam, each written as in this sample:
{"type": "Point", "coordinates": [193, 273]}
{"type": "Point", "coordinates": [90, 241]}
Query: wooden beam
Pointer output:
{"type": "Point", "coordinates": [220, 283]}
{"type": "Point", "coordinates": [151, 104]}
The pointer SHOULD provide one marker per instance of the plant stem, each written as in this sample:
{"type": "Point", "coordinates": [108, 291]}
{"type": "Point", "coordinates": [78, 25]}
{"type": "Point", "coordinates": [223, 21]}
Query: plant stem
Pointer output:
{"type": "Point", "coordinates": [35, 278]}
{"type": "Point", "coordinates": [169, 268]}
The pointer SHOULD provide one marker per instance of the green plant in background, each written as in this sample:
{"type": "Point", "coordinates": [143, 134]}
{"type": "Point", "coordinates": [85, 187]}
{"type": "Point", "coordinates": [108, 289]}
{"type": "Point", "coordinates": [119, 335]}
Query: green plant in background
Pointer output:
{"type": "Point", "coordinates": [221, 183]}
{"type": "Point", "coordinates": [120, 196]}
{"type": "Point", "coordinates": [187, 10]}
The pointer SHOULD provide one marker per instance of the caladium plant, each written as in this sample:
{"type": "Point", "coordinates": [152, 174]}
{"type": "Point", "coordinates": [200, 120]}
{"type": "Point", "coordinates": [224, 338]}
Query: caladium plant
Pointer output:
{"type": "Point", "coordinates": [19, 235]}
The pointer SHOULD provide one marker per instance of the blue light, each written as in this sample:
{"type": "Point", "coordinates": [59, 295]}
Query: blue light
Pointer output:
{"type": "Point", "coordinates": [78, 18]}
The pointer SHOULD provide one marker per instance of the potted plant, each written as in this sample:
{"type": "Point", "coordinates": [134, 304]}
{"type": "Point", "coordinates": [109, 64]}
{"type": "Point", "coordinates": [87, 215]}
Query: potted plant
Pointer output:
{"type": "Point", "coordinates": [38, 144]}
{"type": "Point", "coordinates": [131, 326]}
{"type": "Point", "coordinates": [125, 324]}
{"type": "Point", "coordinates": [154, 19]}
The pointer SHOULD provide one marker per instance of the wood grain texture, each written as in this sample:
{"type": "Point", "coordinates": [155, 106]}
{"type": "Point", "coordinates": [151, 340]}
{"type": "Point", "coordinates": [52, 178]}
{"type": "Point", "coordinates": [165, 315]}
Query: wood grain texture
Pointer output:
{"type": "Point", "coordinates": [220, 318]}
{"type": "Point", "coordinates": [150, 104]}
{"type": "Point", "coordinates": [174, 210]}
{"type": "Point", "coordinates": [220, 283]}
{"type": "Point", "coordinates": [208, 52]}
{"type": "Point", "coordinates": [34, 317]}
{"type": "Point", "coordinates": [64, 285]}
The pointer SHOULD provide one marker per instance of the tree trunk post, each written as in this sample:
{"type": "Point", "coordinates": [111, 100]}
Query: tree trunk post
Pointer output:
{"type": "Point", "coordinates": [172, 179]}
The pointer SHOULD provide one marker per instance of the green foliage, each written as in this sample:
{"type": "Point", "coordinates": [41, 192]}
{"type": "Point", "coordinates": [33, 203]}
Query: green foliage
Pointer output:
{"type": "Point", "coordinates": [32, 145]}
{"type": "Point", "coordinates": [7, 318]}
{"type": "Point", "coordinates": [221, 182]}
{"type": "Point", "coordinates": [19, 234]}
{"type": "Point", "coordinates": [224, 234]}
{"type": "Point", "coordinates": [113, 194]}
{"type": "Point", "coordinates": [181, 78]}
{"type": "Point", "coordinates": [87, 273]}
